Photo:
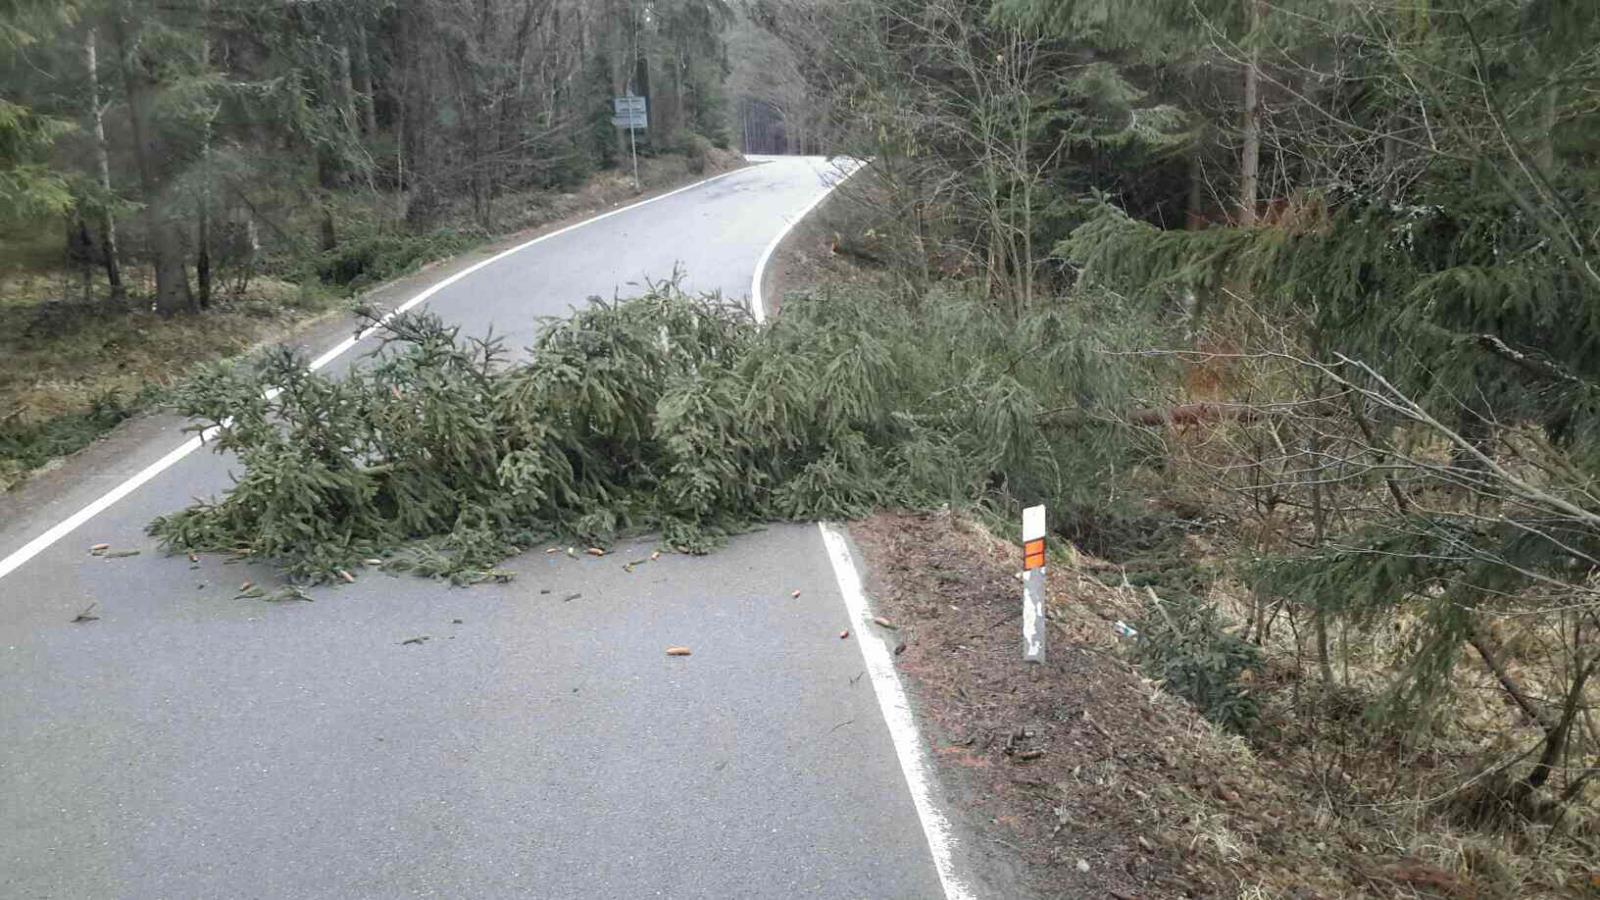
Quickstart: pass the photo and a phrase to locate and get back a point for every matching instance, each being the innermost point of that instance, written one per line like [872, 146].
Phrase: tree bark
[166, 240]
[102, 162]
[362, 74]
[621, 64]
[327, 183]
[202, 262]
[1250, 153]
[1544, 153]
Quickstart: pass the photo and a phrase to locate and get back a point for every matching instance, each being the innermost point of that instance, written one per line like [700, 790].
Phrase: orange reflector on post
[1033, 554]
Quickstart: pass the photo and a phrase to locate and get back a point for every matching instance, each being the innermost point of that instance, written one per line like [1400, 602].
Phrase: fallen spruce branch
[666, 413]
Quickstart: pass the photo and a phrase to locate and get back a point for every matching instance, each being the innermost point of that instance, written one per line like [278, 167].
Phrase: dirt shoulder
[1049, 769]
[1082, 778]
[819, 250]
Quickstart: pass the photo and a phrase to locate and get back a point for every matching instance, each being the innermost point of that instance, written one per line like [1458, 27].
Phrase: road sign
[630, 112]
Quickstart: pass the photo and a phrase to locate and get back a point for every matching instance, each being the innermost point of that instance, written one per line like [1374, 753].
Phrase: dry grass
[60, 362]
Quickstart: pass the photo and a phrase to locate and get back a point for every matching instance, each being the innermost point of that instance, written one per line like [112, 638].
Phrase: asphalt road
[537, 743]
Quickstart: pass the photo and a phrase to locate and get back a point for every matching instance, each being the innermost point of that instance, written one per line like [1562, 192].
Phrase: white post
[634, 149]
[1033, 598]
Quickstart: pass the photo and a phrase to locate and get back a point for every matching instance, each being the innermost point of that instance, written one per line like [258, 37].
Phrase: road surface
[537, 743]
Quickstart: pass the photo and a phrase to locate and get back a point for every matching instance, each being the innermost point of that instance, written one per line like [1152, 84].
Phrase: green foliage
[364, 260]
[665, 413]
[28, 186]
[25, 447]
[25, 22]
[1183, 644]
[695, 150]
[1416, 287]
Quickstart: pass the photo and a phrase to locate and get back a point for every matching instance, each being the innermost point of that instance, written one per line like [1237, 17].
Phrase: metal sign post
[632, 113]
[1033, 599]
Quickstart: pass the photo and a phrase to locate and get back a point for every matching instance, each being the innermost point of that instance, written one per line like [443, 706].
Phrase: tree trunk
[80, 253]
[621, 56]
[202, 263]
[1250, 154]
[1319, 517]
[102, 162]
[344, 88]
[327, 182]
[362, 74]
[162, 228]
[1544, 152]
[1195, 214]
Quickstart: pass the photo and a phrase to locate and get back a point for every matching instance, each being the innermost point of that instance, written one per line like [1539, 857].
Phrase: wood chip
[246, 586]
[677, 651]
[844, 634]
[595, 551]
[346, 577]
[99, 548]
[655, 556]
[794, 594]
[881, 622]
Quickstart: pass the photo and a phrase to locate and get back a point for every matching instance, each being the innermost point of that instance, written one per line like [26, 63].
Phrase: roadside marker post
[1033, 621]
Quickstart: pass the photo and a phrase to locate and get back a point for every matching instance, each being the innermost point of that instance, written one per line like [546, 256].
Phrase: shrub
[372, 258]
[1182, 643]
[696, 151]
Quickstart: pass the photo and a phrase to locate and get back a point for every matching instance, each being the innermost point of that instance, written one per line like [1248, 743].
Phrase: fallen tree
[665, 413]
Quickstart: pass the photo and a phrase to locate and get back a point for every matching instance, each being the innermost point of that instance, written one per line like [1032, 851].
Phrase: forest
[1288, 309]
[180, 180]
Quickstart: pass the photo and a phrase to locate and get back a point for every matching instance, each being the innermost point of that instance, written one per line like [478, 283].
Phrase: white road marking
[879, 658]
[99, 505]
[758, 304]
[896, 711]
